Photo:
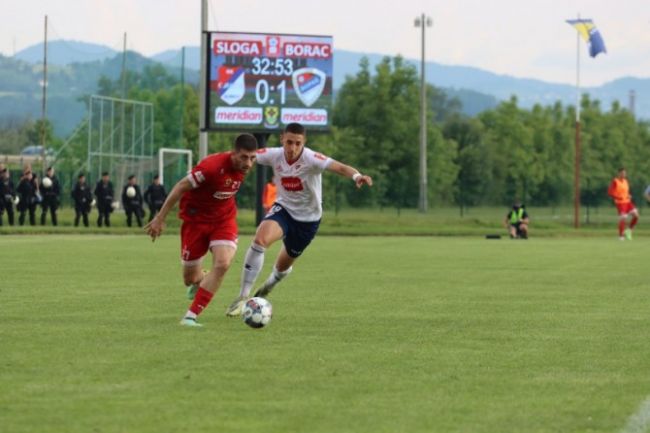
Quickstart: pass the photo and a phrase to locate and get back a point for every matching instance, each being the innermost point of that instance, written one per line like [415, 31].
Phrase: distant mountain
[472, 83]
[20, 87]
[63, 53]
[174, 58]
[75, 68]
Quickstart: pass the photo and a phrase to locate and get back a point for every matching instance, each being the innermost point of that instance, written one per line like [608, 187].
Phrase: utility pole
[203, 134]
[180, 135]
[424, 22]
[123, 74]
[124, 68]
[44, 99]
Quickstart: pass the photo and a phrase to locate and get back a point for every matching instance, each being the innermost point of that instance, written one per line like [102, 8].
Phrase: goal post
[171, 158]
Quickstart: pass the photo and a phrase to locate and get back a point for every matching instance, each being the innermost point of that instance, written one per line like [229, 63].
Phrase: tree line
[493, 158]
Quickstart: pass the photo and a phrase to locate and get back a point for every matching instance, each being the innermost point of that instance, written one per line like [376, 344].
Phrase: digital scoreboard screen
[261, 82]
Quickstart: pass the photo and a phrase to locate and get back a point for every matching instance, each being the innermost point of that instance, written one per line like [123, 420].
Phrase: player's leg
[267, 233]
[194, 244]
[512, 230]
[622, 218]
[297, 239]
[283, 267]
[635, 219]
[192, 274]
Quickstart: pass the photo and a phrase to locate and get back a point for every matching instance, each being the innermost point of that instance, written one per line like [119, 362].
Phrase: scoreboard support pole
[260, 180]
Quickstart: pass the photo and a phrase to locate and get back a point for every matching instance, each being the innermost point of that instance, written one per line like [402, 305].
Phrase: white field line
[639, 422]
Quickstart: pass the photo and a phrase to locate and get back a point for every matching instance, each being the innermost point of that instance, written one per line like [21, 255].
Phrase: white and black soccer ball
[257, 312]
[47, 182]
[130, 192]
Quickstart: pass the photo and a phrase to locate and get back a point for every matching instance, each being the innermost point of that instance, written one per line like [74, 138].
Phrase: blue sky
[523, 38]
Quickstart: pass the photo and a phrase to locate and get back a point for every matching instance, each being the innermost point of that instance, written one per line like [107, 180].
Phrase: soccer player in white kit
[296, 213]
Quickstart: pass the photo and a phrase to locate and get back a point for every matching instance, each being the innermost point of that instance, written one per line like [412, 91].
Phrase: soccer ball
[257, 312]
[130, 192]
[47, 182]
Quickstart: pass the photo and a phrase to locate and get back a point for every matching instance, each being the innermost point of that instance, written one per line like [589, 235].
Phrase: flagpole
[576, 182]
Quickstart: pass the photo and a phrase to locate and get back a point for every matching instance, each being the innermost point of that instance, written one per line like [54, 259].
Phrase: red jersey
[215, 183]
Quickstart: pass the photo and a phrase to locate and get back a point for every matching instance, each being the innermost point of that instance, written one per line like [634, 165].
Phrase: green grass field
[370, 334]
[439, 221]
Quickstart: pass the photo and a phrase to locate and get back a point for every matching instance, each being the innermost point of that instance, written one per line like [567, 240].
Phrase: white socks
[253, 263]
[275, 277]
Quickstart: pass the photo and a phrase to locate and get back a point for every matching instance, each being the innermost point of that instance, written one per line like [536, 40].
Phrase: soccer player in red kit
[208, 211]
[619, 191]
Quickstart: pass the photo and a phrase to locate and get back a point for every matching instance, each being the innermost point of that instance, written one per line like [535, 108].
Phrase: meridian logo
[292, 183]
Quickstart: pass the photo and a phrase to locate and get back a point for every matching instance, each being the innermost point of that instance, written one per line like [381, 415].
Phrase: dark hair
[49, 168]
[104, 173]
[156, 176]
[131, 177]
[621, 169]
[295, 128]
[245, 142]
[81, 175]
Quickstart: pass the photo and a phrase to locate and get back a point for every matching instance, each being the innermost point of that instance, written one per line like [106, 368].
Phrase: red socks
[621, 225]
[633, 222]
[201, 300]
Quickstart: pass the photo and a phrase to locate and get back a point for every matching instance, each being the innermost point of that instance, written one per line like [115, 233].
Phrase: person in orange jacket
[268, 196]
[619, 191]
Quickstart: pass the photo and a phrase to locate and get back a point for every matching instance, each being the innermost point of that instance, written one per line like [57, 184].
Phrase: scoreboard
[261, 82]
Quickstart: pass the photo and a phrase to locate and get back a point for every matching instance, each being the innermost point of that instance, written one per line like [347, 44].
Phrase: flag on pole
[590, 34]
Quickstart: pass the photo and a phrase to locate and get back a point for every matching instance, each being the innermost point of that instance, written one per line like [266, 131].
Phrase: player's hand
[363, 180]
[154, 228]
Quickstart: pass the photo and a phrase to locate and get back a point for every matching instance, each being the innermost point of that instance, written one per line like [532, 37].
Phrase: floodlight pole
[203, 133]
[44, 101]
[576, 181]
[424, 22]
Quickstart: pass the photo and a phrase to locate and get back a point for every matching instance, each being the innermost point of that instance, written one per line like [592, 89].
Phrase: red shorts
[625, 208]
[198, 238]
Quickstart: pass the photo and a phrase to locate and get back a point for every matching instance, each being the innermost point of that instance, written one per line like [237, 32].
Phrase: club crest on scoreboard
[308, 84]
[231, 84]
[271, 116]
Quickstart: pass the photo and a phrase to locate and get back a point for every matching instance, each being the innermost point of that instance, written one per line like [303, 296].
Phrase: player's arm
[351, 172]
[157, 224]
[611, 191]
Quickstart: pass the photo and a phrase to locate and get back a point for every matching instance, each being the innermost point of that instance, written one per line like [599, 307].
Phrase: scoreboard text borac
[261, 82]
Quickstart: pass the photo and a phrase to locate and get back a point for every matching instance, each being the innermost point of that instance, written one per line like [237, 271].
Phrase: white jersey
[299, 185]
